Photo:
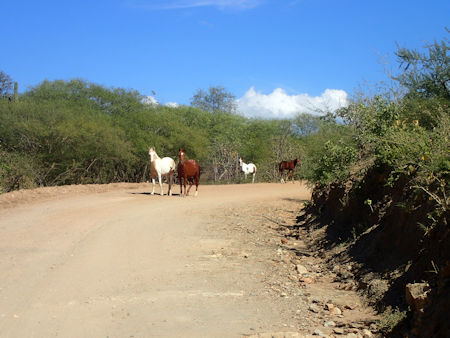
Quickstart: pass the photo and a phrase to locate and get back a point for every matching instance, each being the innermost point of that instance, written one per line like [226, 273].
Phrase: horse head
[152, 154]
[181, 154]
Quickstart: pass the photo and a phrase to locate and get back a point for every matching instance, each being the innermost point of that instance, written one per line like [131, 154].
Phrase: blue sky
[276, 57]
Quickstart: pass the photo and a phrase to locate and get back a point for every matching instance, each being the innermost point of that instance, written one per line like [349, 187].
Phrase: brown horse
[290, 167]
[187, 170]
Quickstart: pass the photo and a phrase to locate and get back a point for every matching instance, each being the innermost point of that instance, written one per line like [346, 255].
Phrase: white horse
[248, 169]
[161, 167]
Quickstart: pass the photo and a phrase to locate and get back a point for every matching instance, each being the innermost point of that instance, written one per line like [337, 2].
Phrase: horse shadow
[298, 200]
[150, 194]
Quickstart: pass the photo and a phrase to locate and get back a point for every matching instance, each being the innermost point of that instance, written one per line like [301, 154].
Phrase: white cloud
[279, 104]
[172, 104]
[180, 4]
[150, 100]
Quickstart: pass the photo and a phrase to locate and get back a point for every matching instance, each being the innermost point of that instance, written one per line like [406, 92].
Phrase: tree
[306, 124]
[6, 84]
[426, 74]
[216, 99]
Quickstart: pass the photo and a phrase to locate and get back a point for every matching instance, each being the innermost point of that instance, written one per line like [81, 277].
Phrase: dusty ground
[114, 261]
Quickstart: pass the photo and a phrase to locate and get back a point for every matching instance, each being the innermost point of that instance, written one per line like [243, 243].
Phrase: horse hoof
[152, 193]
[196, 194]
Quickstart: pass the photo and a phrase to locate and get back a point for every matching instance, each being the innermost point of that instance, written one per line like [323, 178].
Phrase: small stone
[314, 308]
[367, 334]
[301, 269]
[329, 306]
[338, 330]
[306, 280]
[283, 294]
[348, 287]
[417, 295]
[336, 268]
[373, 327]
[319, 333]
[336, 311]
[284, 240]
[329, 323]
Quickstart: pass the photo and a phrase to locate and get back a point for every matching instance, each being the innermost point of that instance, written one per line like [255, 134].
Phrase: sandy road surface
[123, 263]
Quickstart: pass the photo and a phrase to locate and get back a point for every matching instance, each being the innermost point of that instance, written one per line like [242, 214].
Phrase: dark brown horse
[187, 171]
[289, 166]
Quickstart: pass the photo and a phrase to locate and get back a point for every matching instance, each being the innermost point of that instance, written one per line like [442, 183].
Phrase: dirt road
[118, 262]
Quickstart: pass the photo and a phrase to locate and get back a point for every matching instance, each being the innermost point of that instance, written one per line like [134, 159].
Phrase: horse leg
[170, 177]
[153, 185]
[197, 177]
[253, 177]
[293, 176]
[282, 176]
[160, 185]
[184, 183]
[191, 181]
[180, 181]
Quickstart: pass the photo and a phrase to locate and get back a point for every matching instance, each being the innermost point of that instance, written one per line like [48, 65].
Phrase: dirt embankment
[402, 263]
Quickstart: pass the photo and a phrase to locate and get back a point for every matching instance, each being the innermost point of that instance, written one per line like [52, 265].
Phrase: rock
[345, 274]
[417, 295]
[338, 330]
[306, 280]
[329, 324]
[319, 333]
[329, 306]
[336, 311]
[301, 269]
[314, 308]
[366, 333]
[373, 327]
[284, 240]
[349, 286]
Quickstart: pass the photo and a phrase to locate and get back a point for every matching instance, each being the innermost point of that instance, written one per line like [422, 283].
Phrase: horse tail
[280, 166]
